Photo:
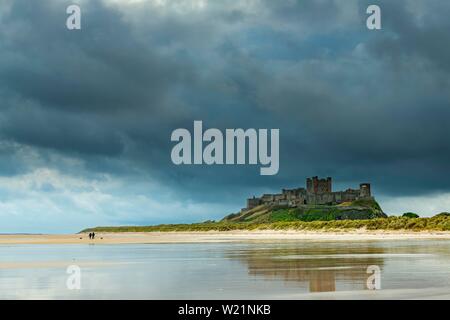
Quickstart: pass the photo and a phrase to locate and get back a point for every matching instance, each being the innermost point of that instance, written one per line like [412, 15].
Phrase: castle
[317, 192]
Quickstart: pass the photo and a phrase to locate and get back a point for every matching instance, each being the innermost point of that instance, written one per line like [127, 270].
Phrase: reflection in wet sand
[320, 270]
[240, 270]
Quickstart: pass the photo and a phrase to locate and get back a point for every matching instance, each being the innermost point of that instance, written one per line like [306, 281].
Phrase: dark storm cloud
[355, 104]
[415, 31]
[101, 69]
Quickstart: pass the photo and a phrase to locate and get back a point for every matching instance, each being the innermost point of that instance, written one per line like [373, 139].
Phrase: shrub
[410, 215]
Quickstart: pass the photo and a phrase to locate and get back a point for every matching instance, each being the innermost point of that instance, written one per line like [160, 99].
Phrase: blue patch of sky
[269, 44]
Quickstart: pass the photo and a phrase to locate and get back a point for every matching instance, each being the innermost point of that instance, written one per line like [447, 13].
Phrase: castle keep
[317, 192]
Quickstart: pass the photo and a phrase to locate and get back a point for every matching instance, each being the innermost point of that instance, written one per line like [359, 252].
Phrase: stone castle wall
[317, 192]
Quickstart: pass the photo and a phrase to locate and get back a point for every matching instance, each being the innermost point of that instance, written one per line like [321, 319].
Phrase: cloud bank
[86, 116]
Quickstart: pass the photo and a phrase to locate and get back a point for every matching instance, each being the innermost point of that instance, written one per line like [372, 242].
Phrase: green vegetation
[356, 210]
[410, 215]
[443, 214]
[360, 214]
[367, 203]
[437, 223]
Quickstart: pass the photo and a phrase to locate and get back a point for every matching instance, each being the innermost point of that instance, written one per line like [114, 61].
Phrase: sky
[86, 115]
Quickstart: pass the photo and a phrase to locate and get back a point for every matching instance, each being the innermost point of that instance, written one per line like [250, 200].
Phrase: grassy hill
[356, 210]
[437, 223]
[362, 214]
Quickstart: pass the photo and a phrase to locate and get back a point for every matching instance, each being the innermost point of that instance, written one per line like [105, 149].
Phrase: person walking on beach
[90, 235]
[93, 235]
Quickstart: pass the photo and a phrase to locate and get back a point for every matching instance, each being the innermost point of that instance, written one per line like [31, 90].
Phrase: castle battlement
[317, 192]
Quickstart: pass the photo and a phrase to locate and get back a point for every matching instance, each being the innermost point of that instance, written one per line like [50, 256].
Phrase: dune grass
[437, 223]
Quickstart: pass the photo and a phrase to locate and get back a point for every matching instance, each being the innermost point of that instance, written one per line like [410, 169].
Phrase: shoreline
[219, 237]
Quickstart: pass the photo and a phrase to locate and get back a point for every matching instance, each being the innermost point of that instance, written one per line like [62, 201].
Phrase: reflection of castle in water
[320, 268]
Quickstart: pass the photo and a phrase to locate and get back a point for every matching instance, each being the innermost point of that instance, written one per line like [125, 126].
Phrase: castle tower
[315, 185]
[329, 189]
[309, 185]
[364, 190]
[253, 202]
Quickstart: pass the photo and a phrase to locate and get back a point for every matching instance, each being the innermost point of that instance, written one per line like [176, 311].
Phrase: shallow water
[252, 270]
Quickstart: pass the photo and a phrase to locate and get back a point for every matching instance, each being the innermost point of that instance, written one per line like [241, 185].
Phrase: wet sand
[227, 265]
[216, 237]
[389, 294]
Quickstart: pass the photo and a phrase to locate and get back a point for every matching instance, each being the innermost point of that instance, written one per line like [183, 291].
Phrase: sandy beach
[215, 237]
[227, 265]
